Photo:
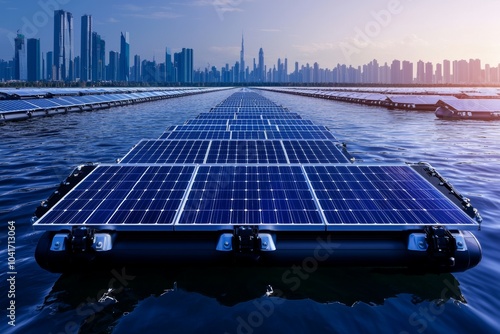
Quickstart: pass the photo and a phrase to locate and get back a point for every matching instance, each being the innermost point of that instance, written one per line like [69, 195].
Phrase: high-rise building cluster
[93, 64]
[61, 64]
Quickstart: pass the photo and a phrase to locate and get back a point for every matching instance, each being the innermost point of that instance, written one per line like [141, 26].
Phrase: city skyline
[325, 32]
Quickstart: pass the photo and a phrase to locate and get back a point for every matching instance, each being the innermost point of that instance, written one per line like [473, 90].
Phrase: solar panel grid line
[184, 199]
[207, 153]
[284, 150]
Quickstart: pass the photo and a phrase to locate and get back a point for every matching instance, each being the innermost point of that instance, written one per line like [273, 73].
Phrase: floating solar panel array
[37, 103]
[250, 162]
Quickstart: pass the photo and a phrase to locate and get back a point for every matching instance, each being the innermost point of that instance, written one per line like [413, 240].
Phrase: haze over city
[323, 31]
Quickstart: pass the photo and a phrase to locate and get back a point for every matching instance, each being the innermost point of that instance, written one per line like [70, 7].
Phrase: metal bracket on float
[82, 240]
[439, 244]
[245, 240]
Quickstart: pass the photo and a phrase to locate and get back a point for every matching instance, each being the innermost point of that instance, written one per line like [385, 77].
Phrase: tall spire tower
[242, 59]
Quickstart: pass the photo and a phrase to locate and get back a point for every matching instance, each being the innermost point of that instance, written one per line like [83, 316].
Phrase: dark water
[38, 154]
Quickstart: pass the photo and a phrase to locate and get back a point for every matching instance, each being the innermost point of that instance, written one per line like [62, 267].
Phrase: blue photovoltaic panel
[206, 122]
[248, 122]
[246, 152]
[288, 115]
[63, 102]
[299, 135]
[122, 197]
[15, 105]
[168, 152]
[244, 195]
[291, 122]
[313, 152]
[252, 128]
[199, 128]
[381, 197]
[248, 135]
[215, 116]
[257, 116]
[201, 135]
[302, 128]
[43, 103]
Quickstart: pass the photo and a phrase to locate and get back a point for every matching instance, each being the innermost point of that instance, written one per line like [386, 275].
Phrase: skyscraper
[137, 68]
[98, 58]
[396, 75]
[63, 45]
[446, 71]
[407, 77]
[169, 66]
[86, 61]
[429, 73]
[242, 60]
[113, 66]
[184, 65]
[261, 77]
[34, 60]
[20, 59]
[49, 67]
[420, 72]
[124, 57]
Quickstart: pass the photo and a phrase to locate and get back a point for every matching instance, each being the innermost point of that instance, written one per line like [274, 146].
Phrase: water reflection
[98, 301]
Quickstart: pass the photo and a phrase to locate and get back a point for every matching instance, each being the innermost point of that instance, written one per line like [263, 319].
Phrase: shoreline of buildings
[94, 65]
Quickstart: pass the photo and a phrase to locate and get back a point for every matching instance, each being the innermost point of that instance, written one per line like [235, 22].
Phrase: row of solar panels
[12, 93]
[215, 176]
[411, 101]
[201, 198]
[486, 92]
[13, 106]
[424, 102]
[235, 151]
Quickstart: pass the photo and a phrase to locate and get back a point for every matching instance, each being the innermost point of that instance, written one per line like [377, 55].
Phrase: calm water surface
[38, 154]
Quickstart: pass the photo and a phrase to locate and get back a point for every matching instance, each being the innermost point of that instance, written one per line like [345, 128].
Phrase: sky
[324, 31]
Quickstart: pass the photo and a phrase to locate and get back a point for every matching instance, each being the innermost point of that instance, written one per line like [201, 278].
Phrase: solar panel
[253, 135]
[197, 135]
[206, 122]
[246, 152]
[124, 197]
[168, 152]
[224, 196]
[313, 151]
[216, 116]
[291, 122]
[15, 105]
[43, 103]
[248, 122]
[251, 127]
[381, 197]
[302, 128]
[300, 135]
[288, 115]
[199, 128]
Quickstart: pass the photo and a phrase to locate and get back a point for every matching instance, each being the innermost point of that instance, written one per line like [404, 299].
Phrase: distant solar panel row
[234, 151]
